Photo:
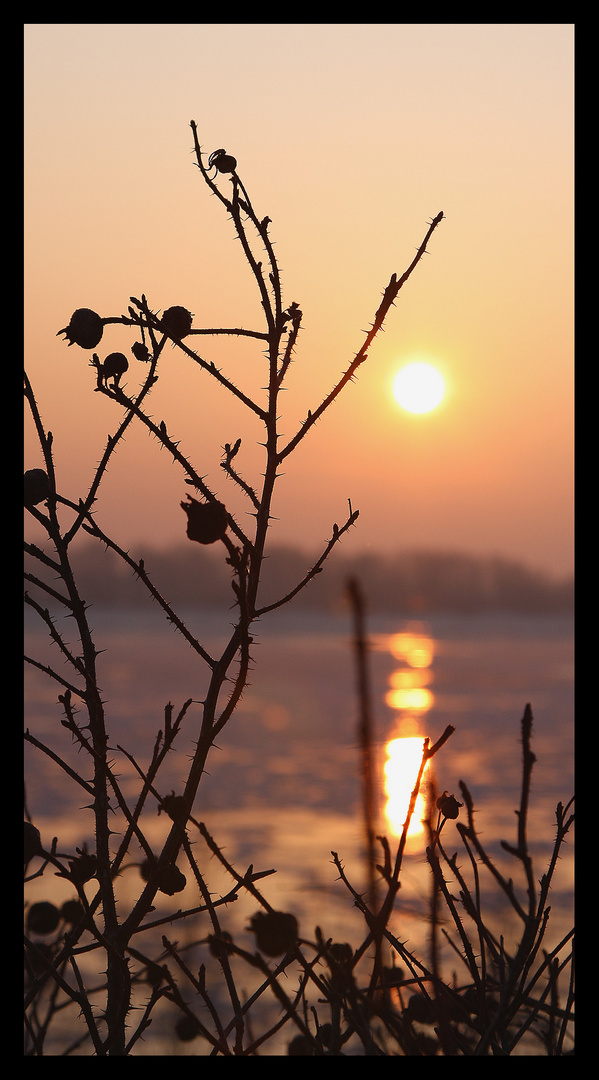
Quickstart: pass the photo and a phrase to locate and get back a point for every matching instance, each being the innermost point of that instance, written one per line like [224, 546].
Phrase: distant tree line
[413, 582]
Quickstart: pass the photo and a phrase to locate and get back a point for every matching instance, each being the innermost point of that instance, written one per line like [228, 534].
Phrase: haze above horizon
[350, 137]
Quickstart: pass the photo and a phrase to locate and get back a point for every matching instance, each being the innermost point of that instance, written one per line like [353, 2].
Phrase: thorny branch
[389, 297]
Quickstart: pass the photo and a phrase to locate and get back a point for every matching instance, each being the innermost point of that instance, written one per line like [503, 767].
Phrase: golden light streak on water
[404, 756]
[408, 695]
[416, 699]
[412, 647]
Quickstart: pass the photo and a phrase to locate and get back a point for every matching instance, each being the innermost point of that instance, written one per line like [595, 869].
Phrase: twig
[389, 298]
[315, 569]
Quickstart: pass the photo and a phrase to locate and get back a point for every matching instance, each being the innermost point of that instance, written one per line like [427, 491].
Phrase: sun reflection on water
[412, 699]
[408, 694]
[414, 646]
[401, 769]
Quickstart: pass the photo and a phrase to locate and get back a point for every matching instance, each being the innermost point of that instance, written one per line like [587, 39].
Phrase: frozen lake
[283, 790]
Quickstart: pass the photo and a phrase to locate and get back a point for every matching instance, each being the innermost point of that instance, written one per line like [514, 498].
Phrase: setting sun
[418, 387]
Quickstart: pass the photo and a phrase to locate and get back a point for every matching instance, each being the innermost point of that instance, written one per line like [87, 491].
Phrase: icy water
[284, 786]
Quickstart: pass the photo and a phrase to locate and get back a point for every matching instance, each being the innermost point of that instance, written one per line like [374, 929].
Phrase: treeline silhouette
[414, 582]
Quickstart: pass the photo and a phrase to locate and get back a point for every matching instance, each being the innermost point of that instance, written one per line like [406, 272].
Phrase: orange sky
[350, 137]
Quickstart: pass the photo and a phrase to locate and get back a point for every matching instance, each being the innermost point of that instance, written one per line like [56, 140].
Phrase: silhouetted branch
[389, 298]
[315, 569]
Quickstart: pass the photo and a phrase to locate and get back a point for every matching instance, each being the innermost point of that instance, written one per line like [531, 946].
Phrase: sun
[418, 388]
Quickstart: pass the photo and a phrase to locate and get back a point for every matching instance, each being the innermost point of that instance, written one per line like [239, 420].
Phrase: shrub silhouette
[365, 1003]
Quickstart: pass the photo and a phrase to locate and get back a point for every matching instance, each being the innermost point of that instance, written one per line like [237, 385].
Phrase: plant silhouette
[135, 966]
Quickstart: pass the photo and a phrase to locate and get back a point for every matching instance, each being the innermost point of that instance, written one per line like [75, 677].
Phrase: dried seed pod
[37, 486]
[224, 162]
[171, 880]
[206, 522]
[422, 1009]
[221, 945]
[176, 808]
[176, 322]
[83, 868]
[339, 954]
[43, 917]
[141, 351]
[115, 365]
[448, 805]
[146, 868]
[187, 1028]
[85, 329]
[72, 911]
[300, 1046]
[154, 974]
[276, 931]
